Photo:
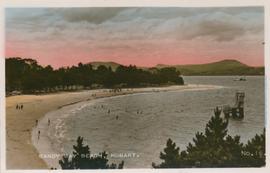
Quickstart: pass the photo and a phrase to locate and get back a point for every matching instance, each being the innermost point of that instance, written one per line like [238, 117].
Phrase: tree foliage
[255, 151]
[215, 148]
[170, 156]
[27, 76]
[82, 159]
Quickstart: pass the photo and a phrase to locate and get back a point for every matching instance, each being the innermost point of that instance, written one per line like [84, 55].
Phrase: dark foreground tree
[170, 156]
[215, 148]
[82, 159]
[254, 151]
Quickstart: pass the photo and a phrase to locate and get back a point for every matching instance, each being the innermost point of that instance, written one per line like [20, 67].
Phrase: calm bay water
[145, 121]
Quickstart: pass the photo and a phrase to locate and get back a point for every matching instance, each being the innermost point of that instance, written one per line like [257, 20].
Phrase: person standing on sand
[49, 122]
[22, 106]
[36, 122]
[17, 106]
[38, 134]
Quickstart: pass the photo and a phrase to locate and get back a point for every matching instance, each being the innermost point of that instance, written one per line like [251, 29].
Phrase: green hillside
[225, 67]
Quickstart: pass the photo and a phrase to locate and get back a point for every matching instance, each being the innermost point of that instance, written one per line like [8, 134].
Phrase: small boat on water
[240, 79]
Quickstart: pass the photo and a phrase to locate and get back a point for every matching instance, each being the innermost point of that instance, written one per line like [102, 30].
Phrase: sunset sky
[140, 36]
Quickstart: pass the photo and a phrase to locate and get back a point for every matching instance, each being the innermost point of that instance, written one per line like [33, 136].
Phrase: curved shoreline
[44, 144]
[21, 150]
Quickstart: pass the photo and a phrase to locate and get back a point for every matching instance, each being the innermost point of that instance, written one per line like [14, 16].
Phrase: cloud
[215, 25]
[96, 15]
[219, 24]
[78, 26]
[142, 36]
[220, 31]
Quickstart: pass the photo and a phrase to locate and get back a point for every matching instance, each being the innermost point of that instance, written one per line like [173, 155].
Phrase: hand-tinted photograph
[134, 87]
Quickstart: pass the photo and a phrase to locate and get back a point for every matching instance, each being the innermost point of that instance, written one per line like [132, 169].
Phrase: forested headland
[27, 76]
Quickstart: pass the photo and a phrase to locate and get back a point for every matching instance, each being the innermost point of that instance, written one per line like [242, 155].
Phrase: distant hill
[113, 65]
[224, 67]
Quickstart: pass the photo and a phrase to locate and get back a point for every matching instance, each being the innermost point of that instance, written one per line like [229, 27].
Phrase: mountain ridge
[223, 67]
[215, 62]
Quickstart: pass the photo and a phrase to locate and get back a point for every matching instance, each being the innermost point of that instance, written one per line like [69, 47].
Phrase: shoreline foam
[20, 124]
[44, 144]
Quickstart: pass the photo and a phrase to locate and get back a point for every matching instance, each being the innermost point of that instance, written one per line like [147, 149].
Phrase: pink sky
[143, 37]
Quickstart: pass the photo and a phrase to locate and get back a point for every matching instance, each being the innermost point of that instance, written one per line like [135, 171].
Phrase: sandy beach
[20, 152]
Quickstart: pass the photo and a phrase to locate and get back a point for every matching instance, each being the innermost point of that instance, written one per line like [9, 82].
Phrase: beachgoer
[109, 111]
[17, 106]
[38, 134]
[49, 122]
[21, 106]
[36, 122]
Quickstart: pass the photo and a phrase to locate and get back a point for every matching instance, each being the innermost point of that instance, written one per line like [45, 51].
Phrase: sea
[135, 127]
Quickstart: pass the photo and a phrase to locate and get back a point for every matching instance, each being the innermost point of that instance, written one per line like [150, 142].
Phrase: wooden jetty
[236, 111]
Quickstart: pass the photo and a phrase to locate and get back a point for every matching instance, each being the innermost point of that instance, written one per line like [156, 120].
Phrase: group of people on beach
[109, 111]
[117, 117]
[19, 106]
[115, 90]
[139, 112]
[49, 122]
